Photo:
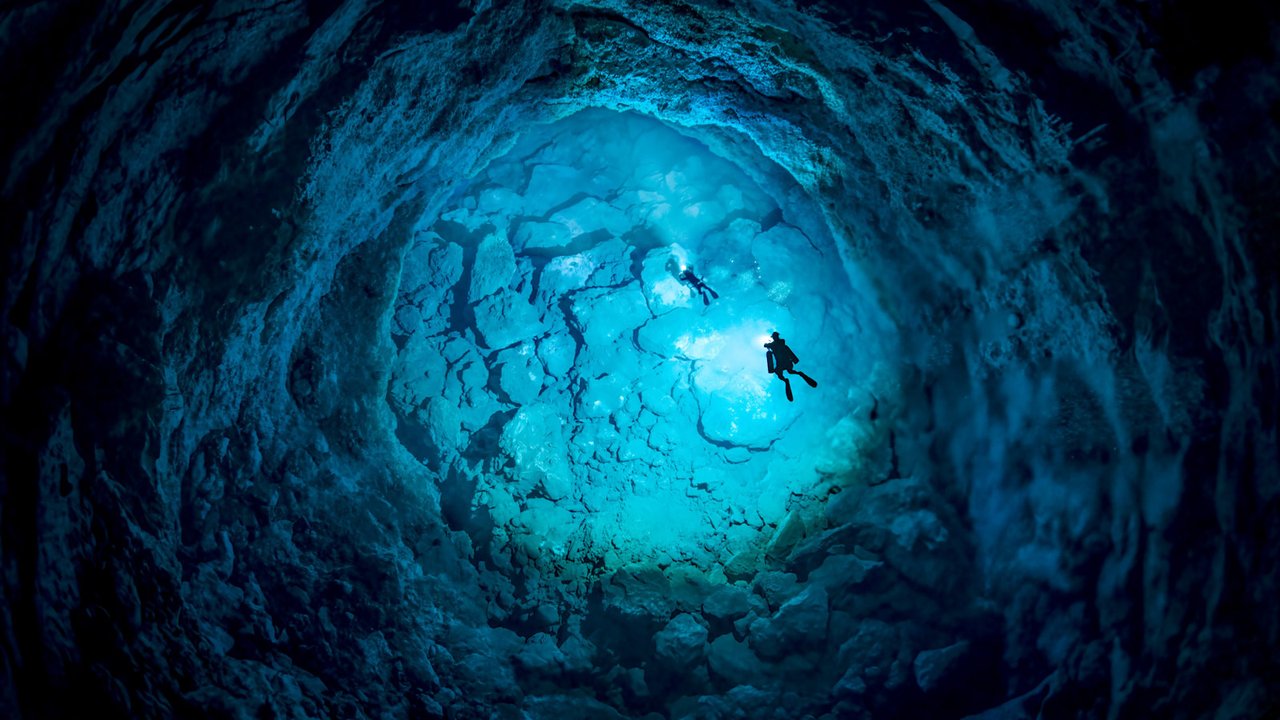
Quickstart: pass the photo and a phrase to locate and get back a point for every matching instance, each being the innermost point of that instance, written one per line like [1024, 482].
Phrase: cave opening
[588, 408]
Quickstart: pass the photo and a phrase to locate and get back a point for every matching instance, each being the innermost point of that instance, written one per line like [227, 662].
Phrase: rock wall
[1058, 486]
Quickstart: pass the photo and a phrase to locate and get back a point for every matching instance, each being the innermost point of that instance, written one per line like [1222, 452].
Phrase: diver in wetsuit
[687, 275]
[782, 359]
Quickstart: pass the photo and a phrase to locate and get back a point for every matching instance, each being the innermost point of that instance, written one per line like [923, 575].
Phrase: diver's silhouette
[781, 359]
[686, 274]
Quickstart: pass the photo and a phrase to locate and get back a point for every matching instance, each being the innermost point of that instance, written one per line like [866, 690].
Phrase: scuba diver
[781, 359]
[686, 274]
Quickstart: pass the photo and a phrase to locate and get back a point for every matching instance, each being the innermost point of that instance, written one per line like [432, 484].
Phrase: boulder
[520, 374]
[682, 642]
[505, 318]
[578, 654]
[644, 592]
[785, 537]
[800, 623]
[741, 566]
[540, 656]
[732, 661]
[870, 653]
[776, 587]
[728, 603]
[533, 439]
[541, 235]
[557, 353]
[843, 574]
[495, 263]
[933, 667]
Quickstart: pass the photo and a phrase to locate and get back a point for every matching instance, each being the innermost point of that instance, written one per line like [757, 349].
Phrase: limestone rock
[871, 652]
[934, 667]
[801, 623]
[533, 235]
[727, 603]
[591, 214]
[776, 587]
[682, 641]
[520, 375]
[741, 566]
[540, 655]
[495, 263]
[785, 537]
[505, 318]
[533, 440]
[733, 661]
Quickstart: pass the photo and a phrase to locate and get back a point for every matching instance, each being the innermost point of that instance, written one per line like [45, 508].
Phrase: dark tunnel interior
[676, 359]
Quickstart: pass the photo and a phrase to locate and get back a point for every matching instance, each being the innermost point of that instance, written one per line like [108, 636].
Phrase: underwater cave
[615, 359]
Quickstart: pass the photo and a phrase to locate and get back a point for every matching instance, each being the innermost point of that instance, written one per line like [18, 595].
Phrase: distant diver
[781, 359]
[687, 275]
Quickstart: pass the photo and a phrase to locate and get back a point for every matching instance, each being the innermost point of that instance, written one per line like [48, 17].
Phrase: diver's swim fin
[714, 294]
[811, 381]
[790, 397]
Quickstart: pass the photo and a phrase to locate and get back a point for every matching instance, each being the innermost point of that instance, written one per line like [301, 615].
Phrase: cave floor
[593, 409]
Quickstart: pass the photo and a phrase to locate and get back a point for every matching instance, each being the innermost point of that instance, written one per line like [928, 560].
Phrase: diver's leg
[782, 376]
[811, 381]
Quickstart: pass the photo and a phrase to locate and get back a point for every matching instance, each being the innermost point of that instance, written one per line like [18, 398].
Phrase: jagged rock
[790, 532]
[540, 656]
[744, 701]
[545, 527]
[521, 374]
[495, 263]
[842, 506]
[776, 587]
[871, 653]
[742, 566]
[640, 592]
[533, 440]
[565, 274]
[542, 235]
[843, 575]
[850, 685]
[733, 661]
[727, 603]
[801, 623]
[578, 653]
[505, 318]
[682, 642]
[934, 667]
[772, 504]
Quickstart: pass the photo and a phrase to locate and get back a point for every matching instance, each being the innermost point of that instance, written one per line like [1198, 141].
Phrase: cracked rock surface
[567, 360]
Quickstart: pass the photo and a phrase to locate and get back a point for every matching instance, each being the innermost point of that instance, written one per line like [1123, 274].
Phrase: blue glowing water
[630, 413]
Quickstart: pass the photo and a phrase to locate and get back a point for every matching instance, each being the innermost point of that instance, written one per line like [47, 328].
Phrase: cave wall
[209, 206]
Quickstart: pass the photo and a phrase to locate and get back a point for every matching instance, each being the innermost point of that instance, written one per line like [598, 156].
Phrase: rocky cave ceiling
[350, 369]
